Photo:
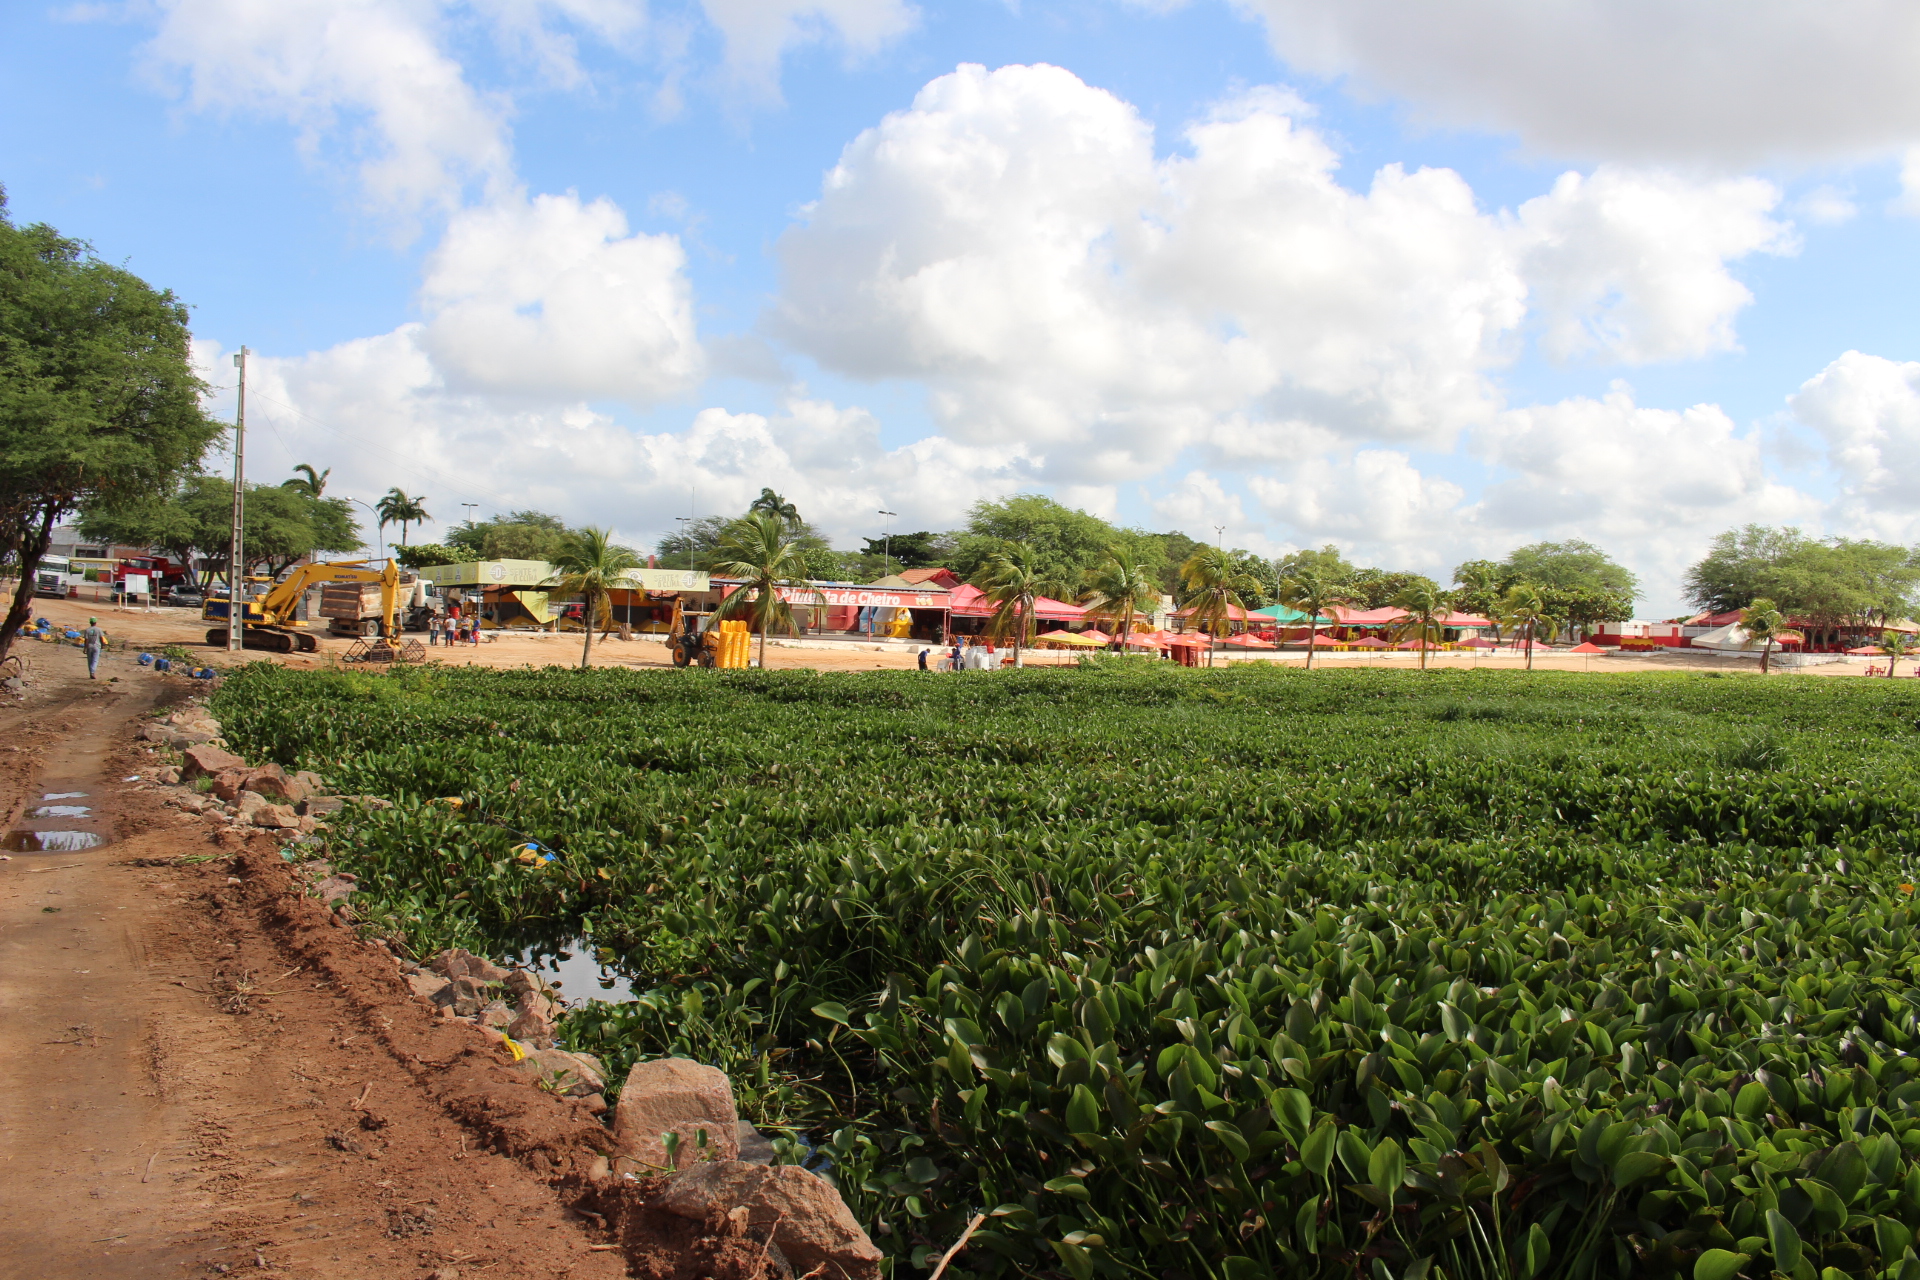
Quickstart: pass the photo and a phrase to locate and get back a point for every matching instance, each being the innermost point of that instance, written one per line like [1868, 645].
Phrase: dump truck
[359, 609]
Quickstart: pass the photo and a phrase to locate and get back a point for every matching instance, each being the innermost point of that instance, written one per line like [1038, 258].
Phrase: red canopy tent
[1476, 642]
[1416, 644]
[1188, 639]
[1247, 642]
[969, 601]
[1586, 647]
[1099, 636]
[1867, 651]
[1371, 642]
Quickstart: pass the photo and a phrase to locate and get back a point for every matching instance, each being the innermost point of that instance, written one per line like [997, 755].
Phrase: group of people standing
[967, 654]
[453, 630]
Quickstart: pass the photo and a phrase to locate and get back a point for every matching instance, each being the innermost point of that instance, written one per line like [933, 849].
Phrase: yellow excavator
[268, 622]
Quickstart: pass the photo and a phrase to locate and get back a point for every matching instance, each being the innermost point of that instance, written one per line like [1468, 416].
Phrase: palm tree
[1119, 590]
[1524, 608]
[1012, 582]
[1426, 608]
[760, 550]
[772, 504]
[397, 508]
[1311, 592]
[1896, 645]
[313, 483]
[1764, 623]
[588, 564]
[1214, 585]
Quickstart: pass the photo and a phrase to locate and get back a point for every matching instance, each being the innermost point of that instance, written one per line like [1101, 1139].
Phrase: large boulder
[206, 759]
[229, 783]
[810, 1223]
[569, 1075]
[271, 781]
[680, 1096]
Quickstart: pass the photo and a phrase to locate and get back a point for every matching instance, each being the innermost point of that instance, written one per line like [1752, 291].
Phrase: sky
[1427, 282]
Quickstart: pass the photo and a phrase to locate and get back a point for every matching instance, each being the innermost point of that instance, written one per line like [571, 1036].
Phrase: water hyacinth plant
[1179, 973]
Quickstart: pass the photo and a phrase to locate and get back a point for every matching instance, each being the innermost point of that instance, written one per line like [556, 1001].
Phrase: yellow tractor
[268, 621]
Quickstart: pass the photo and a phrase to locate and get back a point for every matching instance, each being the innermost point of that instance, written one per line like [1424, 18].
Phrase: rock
[314, 805]
[468, 999]
[810, 1223]
[168, 776]
[675, 1095]
[229, 783]
[570, 1075]
[531, 1028]
[156, 731]
[280, 816]
[189, 737]
[271, 781]
[312, 781]
[249, 803]
[456, 962]
[428, 986]
[595, 1103]
[497, 1014]
[188, 801]
[206, 759]
[755, 1147]
[334, 888]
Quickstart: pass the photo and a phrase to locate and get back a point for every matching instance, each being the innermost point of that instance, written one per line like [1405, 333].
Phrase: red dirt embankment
[204, 1074]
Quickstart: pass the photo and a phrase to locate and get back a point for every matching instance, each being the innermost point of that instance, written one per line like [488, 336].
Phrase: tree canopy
[1829, 582]
[282, 524]
[99, 404]
[518, 535]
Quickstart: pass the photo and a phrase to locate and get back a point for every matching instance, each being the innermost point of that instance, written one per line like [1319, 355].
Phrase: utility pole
[686, 531]
[886, 547]
[236, 556]
[471, 507]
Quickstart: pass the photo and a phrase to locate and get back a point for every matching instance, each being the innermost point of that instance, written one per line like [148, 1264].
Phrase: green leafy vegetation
[1213, 974]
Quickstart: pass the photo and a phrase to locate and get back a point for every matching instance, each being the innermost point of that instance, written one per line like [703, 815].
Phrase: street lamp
[471, 508]
[886, 547]
[686, 531]
[379, 526]
[1220, 536]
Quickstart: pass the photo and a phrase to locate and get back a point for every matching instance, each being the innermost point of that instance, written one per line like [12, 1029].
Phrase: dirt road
[203, 1074]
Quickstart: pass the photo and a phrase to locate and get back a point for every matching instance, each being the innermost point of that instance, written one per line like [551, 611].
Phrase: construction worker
[93, 640]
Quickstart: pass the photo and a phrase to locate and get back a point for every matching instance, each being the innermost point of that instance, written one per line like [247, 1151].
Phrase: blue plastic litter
[145, 659]
[162, 664]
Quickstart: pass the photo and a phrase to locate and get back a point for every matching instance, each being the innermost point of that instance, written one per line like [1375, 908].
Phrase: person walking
[923, 658]
[93, 640]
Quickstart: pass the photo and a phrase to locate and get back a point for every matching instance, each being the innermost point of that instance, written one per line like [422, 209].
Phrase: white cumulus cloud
[1013, 241]
[550, 296]
[1867, 411]
[1723, 82]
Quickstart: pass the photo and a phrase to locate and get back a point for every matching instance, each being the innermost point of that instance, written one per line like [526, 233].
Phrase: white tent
[1730, 638]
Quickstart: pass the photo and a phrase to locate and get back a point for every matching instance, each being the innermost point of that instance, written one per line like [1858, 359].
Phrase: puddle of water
[61, 811]
[64, 795]
[580, 976]
[50, 841]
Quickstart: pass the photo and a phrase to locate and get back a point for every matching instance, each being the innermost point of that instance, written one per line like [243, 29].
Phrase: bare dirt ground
[514, 649]
[204, 1074]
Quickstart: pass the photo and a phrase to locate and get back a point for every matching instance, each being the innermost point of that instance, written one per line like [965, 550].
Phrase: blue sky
[1317, 272]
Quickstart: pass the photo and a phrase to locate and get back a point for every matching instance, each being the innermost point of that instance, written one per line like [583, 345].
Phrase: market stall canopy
[1586, 647]
[1289, 617]
[1247, 642]
[1077, 639]
[1464, 621]
[1867, 651]
[1095, 636]
[1187, 640]
[1416, 644]
[1234, 612]
[1371, 642]
[969, 601]
[1475, 642]
[1346, 617]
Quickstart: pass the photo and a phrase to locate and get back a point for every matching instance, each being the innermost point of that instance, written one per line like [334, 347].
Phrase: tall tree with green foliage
[310, 482]
[99, 404]
[590, 565]
[1766, 626]
[1572, 565]
[1526, 610]
[1833, 583]
[1424, 609]
[195, 521]
[1214, 584]
[1376, 588]
[772, 504]
[1013, 581]
[398, 507]
[762, 551]
[1061, 545]
[1895, 645]
[1478, 585]
[518, 535]
[1313, 591]
[1120, 590]
[1326, 565]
